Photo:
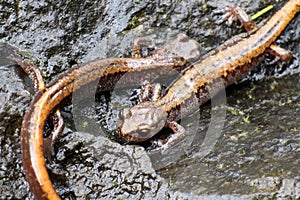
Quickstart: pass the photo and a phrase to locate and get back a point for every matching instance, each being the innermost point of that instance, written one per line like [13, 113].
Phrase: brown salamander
[48, 98]
[36, 76]
[228, 62]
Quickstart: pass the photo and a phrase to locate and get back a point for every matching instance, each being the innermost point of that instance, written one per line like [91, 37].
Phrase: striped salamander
[228, 63]
[106, 73]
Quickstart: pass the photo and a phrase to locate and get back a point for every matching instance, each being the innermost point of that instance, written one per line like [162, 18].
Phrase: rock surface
[259, 146]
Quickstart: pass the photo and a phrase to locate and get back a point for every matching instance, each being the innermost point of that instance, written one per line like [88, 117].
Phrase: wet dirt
[256, 156]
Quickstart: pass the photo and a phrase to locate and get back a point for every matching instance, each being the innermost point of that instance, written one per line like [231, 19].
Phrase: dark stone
[250, 160]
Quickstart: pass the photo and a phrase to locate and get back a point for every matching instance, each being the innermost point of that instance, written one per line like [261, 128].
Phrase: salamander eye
[125, 113]
[144, 133]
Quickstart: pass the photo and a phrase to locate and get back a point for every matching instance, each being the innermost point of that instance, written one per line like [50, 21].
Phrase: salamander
[229, 62]
[36, 76]
[225, 65]
[47, 99]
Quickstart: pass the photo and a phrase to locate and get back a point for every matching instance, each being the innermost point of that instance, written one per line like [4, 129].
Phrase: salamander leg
[235, 13]
[142, 47]
[58, 123]
[178, 135]
[280, 53]
[58, 127]
[150, 92]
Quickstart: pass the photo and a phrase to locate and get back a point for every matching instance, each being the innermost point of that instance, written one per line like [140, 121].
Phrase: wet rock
[259, 155]
[14, 98]
[259, 158]
[95, 167]
[56, 35]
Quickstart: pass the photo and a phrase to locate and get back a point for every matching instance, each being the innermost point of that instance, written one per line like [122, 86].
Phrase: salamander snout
[141, 122]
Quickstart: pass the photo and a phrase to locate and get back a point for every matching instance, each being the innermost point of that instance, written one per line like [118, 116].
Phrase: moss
[116, 184]
[134, 22]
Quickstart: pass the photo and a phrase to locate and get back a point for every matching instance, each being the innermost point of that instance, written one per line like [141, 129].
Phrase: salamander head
[141, 122]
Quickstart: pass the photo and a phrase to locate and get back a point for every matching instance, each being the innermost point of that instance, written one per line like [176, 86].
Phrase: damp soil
[247, 148]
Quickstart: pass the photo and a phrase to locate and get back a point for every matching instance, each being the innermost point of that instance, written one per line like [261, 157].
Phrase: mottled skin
[145, 115]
